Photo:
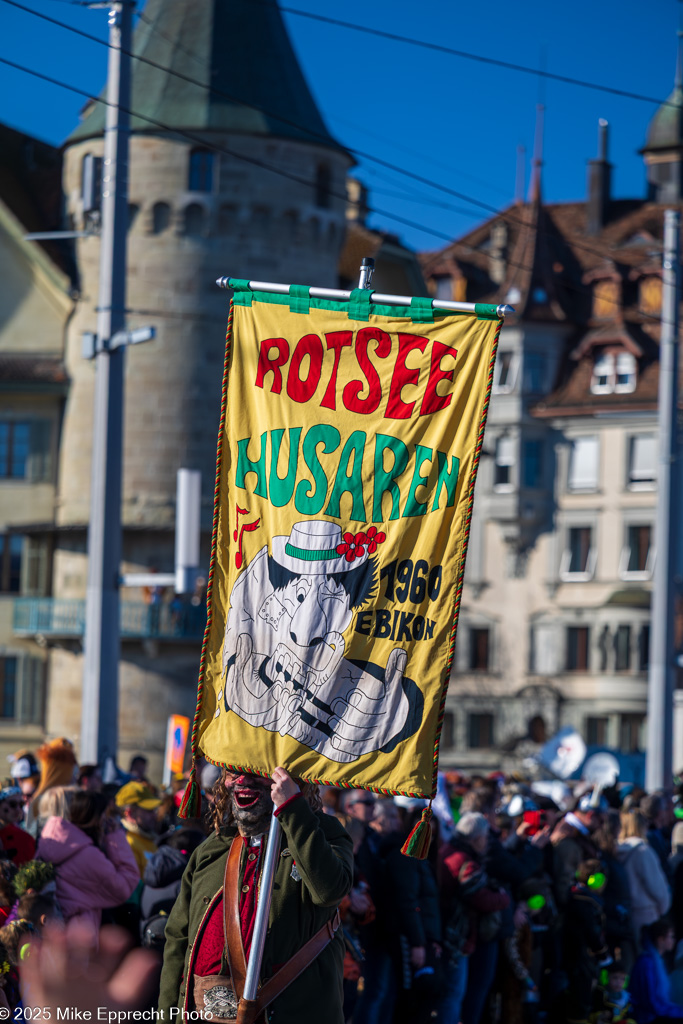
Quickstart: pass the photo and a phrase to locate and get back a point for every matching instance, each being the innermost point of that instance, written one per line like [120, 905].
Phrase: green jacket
[323, 852]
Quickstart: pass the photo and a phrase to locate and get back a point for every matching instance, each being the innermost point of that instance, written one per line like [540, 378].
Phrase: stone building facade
[555, 618]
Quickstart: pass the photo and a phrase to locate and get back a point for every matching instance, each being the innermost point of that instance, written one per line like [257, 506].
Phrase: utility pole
[661, 679]
[99, 725]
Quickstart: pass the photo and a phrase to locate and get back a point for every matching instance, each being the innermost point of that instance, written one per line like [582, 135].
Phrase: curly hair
[221, 812]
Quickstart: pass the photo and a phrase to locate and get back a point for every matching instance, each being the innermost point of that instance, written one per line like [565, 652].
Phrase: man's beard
[255, 819]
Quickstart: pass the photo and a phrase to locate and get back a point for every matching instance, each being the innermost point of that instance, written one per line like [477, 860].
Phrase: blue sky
[451, 120]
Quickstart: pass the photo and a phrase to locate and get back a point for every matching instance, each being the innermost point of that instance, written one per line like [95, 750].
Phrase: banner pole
[262, 915]
[367, 269]
[335, 295]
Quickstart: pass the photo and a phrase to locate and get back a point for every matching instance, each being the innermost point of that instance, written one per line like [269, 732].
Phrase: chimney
[599, 177]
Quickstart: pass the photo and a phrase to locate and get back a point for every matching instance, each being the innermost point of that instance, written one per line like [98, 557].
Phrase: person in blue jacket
[650, 986]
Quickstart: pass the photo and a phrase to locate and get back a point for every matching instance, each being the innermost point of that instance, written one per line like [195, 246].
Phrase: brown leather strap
[297, 964]
[231, 916]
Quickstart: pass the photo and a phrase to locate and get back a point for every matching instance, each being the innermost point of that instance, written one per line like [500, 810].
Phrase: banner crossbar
[336, 295]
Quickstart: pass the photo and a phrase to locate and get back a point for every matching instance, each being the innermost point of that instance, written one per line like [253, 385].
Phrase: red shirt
[210, 950]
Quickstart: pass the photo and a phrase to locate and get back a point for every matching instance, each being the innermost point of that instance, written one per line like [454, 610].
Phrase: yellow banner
[347, 458]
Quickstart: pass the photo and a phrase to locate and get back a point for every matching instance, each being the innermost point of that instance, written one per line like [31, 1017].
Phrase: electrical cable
[487, 207]
[274, 170]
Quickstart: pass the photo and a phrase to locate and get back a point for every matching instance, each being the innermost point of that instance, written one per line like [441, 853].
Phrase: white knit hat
[472, 825]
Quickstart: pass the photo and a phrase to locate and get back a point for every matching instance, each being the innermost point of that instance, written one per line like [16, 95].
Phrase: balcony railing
[54, 617]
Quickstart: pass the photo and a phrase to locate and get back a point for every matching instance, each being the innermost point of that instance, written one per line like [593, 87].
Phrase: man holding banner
[210, 929]
[348, 449]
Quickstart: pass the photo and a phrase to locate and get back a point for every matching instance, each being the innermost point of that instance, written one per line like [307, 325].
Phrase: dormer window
[614, 373]
[625, 372]
[605, 299]
[650, 298]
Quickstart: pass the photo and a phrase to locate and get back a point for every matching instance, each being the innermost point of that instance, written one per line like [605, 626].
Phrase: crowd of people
[526, 909]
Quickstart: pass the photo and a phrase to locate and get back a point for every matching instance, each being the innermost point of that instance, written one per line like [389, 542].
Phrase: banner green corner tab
[421, 311]
[359, 304]
[486, 311]
[300, 298]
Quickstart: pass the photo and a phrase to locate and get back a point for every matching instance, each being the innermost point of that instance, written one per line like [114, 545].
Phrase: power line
[274, 170]
[487, 207]
[467, 55]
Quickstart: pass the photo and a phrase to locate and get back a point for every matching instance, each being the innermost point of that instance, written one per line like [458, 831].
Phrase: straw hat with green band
[311, 549]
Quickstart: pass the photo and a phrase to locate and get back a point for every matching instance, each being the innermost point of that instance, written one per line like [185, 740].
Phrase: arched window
[323, 181]
[260, 218]
[201, 171]
[331, 236]
[227, 218]
[194, 219]
[133, 211]
[161, 217]
[314, 225]
[291, 219]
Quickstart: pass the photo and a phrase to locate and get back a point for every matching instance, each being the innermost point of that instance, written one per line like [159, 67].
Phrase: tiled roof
[31, 188]
[547, 267]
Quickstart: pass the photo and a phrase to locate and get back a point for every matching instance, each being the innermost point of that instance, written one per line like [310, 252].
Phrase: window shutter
[39, 466]
[505, 451]
[643, 458]
[583, 464]
[545, 648]
[32, 691]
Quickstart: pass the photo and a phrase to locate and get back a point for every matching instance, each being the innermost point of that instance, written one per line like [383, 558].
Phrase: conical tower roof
[240, 48]
[665, 130]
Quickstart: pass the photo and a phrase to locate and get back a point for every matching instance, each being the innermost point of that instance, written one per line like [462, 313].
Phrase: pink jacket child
[89, 879]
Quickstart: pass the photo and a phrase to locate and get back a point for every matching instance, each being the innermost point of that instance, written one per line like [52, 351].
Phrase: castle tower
[663, 151]
[242, 179]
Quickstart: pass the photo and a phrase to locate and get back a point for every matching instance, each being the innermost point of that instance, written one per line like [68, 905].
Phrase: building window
[534, 372]
[614, 373]
[630, 729]
[622, 649]
[637, 557]
[8, 687]
[194, 219]
[577, 648]
[605, 300]
[625, 379]
[15, 447]
[201, 171]
[323, 183]
[651, 295]
[505, 460]
[644, 648]
[583, 464]
[596, 731]
[447, 739]
[479, 730]
[161, 218]
[11, 549]
[505, 373]
[533, 463]
[642, 462]
[479, 650]
[579, 555]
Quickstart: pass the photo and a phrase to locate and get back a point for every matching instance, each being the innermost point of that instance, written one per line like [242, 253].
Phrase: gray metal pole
[661, 680]
[263, 909]
[99, 724]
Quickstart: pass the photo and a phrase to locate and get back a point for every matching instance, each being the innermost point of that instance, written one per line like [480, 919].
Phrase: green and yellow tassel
[418, 842]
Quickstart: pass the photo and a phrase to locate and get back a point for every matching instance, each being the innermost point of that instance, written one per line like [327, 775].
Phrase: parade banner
[348, 449]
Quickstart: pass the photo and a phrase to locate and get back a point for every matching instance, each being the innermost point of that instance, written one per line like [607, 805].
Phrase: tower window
[201, 171]
[194, 219]
[161, 217]
[323, 181]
